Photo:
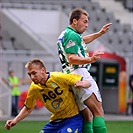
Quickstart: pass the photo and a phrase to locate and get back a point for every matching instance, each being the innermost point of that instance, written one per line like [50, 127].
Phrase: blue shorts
[68, 125]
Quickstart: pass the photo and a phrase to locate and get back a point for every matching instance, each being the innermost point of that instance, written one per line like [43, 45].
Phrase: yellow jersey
[56, 95]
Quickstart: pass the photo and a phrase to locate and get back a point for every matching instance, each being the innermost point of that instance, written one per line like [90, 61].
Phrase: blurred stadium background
[29, 29]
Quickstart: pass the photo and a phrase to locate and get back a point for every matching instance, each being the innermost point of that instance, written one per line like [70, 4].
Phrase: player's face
[37, 74]
[81, 24]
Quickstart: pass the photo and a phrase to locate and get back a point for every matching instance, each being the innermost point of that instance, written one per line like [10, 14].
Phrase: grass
[24, 127]
[119, 126]
[35, 127]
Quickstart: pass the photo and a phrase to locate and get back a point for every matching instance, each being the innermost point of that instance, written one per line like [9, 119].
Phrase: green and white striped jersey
[70, 42]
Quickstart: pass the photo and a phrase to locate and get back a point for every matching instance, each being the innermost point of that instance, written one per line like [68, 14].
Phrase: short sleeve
[70, 79]
[31, 98]
[71, 43]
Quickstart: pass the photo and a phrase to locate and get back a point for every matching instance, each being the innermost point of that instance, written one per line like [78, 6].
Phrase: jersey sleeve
[71, 43]
[70, 79]
[31, 98]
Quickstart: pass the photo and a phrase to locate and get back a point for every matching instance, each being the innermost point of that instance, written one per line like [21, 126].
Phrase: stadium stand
[128, 4]
[115, 40]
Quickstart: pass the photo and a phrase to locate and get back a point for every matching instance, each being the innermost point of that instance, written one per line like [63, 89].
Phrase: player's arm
[89, 38]
[75, 59]
[23, 114]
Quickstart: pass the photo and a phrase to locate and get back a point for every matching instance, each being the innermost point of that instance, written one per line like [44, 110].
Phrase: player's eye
[33, 73]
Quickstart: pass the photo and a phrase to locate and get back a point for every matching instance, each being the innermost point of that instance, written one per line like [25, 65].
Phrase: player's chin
[82, 31]
[36, 82]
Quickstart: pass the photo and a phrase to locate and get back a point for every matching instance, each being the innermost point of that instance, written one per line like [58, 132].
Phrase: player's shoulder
[60, 75]
[75, 75]
[71, 32]
[56, 74]
[33, 85]
[63, 75]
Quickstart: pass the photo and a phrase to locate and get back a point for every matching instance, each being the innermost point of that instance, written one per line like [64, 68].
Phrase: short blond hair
[35, 61]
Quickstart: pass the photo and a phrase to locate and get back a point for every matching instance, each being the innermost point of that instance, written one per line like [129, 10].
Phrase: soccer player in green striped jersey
[74, 58]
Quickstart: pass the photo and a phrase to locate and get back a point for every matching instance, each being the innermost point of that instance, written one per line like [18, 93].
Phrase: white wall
[42, 21]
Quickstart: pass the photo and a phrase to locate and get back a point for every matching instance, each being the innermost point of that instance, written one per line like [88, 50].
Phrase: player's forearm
[89, 38]
[74, 59]
[23, 114]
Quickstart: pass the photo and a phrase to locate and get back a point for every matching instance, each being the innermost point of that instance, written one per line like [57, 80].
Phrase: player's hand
[9, 124]
[105, 28]
[82, 84]
[96, 56]
[78, 84]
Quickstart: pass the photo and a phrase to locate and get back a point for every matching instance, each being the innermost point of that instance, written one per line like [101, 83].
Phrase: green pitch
[35, 127]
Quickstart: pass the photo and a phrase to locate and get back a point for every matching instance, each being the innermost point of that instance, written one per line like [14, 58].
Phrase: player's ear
[43, 69]
[75, 21]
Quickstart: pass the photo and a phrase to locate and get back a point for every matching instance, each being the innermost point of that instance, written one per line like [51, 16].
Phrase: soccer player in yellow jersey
[54, 90]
